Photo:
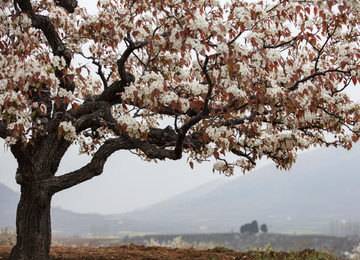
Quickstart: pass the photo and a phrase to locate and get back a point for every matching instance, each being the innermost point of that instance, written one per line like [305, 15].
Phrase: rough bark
[3, 131]
[69, 5]
[36, 163]
[33, 225]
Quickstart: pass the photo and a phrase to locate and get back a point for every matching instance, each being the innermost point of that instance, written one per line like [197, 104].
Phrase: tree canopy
[250, 78]
[254, 79]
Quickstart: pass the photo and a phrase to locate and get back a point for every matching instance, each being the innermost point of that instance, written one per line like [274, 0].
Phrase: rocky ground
[142, 252]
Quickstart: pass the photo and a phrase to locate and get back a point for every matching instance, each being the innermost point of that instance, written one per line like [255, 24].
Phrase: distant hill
[187, 196]
[67, 223]
[322, 186]
[64, 222]
[8, 204]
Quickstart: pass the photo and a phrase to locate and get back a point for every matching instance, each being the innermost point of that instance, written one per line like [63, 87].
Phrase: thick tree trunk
[33, 225]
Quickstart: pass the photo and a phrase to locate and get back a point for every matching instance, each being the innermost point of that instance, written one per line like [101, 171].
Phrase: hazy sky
[127, 182]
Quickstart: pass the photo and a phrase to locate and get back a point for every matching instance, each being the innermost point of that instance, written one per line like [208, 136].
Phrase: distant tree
[263, 228]
[251, 228]
[251, 79]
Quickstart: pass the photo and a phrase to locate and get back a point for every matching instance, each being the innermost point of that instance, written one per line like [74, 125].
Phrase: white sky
[127, 183]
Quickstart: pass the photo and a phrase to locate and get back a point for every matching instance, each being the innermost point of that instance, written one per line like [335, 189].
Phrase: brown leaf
[191, 165]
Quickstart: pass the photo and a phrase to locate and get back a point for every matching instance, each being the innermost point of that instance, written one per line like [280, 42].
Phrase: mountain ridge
[320, 188]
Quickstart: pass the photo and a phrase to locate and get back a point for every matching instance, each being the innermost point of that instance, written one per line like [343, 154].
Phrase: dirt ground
[134, 251]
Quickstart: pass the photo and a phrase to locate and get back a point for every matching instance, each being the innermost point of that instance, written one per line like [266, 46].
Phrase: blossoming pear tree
[255, 79]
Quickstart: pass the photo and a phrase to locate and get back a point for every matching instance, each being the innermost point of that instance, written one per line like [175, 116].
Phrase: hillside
[67, 223]
[321, 187]
[8, 203]
[64, 222]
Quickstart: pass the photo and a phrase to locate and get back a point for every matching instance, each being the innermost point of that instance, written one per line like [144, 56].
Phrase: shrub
[177, 242]
[263, 228]
[355, 254]
[251, 228]
[7, 236]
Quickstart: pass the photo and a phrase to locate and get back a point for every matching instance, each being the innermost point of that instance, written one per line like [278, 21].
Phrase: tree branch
[111, 94]
[69, 5]
[240, 153]
[4, 132]
[44, 23]
[94, 114]
[151, 148]
[127, 76]
[321, 73]
[92, 169]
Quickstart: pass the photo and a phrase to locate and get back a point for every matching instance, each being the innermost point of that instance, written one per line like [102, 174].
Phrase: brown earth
[134, 251]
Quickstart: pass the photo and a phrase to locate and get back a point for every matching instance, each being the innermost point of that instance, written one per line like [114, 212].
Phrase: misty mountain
[68, 223]
[64, 222]
[187, 196]
[321, 187]
[8, 204]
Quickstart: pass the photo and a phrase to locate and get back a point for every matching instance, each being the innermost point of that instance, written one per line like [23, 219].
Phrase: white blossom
[70, 131]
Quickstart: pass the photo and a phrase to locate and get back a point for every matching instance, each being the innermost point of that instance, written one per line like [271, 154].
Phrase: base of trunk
[33, 226]
[18, 254]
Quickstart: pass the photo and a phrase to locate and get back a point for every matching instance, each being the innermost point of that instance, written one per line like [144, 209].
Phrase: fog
[127, 182]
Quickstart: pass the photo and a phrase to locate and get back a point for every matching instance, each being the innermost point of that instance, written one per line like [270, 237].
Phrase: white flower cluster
[10, 140]
[86, 86]
[221, 134]
[58, 62]
[244, 164]
[196, 89]
[273, 54]
[275, 91]
[236, 91]
[175, 39]
[58, 16]
[258, 60]
[103, 28]
[219, 166]
[16, 99]
[242, 13]
[20, 73]
[158, 44]
[206, 153]
[21, 21]
[356, 127]
[198, 23]
[23, 121]
[142, 34]
[216, 132]
[16, 109]
[6, 3]
[345, 52]
[64, 93]
[154, 82]
[222, 48]
[355, 254]
[133, 127]
[69, 131]
[244, 70]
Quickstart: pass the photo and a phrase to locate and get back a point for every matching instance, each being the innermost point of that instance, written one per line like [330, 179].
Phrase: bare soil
[134, 251]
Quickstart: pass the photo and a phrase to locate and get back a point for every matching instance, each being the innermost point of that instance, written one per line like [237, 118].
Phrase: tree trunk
[33, 225]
